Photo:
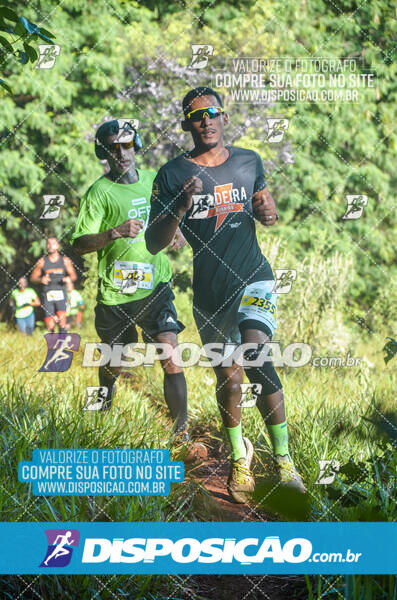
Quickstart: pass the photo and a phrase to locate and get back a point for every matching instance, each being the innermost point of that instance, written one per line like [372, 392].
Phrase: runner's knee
[229, 380]
[169, 338]
[266, 376]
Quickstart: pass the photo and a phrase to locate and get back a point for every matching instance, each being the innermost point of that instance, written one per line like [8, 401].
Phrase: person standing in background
[22, 301]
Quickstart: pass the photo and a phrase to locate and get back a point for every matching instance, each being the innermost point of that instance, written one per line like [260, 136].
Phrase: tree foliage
[120, 58]
[17, 38]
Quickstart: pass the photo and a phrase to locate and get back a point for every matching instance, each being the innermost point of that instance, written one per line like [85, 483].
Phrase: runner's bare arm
[92, 242]
[161, 231]
[36, 273]
[71, 273]
[264, 208]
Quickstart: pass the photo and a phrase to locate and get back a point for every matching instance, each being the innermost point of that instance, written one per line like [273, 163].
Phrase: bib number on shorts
[130, 276]
[55, 295]
[263, 304]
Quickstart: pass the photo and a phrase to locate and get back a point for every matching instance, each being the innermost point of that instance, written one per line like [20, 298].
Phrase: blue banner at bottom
[202, 548]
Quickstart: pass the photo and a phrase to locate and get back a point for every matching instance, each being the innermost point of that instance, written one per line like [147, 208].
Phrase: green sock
[236, 442]
[279, 438]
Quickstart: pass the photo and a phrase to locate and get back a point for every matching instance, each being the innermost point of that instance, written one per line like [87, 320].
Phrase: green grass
[333, 413]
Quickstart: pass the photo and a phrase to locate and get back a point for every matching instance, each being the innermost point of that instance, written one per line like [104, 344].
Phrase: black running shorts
[154, 314]
[53, 301]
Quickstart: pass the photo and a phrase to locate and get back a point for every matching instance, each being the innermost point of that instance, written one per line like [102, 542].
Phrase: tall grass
[333, 413]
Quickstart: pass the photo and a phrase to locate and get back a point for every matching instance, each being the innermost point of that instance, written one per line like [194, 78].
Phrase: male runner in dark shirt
[214, 193]
[53, 271]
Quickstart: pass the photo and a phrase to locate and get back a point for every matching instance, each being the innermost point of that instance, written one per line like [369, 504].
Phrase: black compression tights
[175, 394]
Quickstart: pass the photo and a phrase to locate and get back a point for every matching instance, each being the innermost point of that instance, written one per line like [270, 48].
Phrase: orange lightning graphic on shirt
[224, 203]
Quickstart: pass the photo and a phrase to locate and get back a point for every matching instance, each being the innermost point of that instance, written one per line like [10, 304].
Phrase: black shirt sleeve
[260, 179]
[163, 197]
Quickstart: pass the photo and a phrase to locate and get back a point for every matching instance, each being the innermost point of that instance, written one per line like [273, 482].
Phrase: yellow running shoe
[288, 474]
[241, 482]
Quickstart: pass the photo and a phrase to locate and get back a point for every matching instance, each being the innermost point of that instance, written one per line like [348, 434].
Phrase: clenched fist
[264, 208]
[178, 241]
[128, 229]
[189, 188]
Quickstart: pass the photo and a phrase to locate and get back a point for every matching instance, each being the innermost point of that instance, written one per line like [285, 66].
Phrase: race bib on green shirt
[126, 269]
[129, 276]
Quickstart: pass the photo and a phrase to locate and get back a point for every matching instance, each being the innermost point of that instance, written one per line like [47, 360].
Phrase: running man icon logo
[96, 397]
[59, 551]
[52, 206]
[200, 54]
[60, 348]
[276, 129]
[248, 400]
[48, 55]
[125, 126]
[225, 200]
[355, 206]
[284, 279]
[328, 471]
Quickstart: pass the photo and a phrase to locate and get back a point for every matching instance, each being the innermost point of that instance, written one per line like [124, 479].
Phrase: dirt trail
[212, 474]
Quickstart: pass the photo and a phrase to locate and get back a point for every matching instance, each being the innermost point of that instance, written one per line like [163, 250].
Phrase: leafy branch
[19, 34]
